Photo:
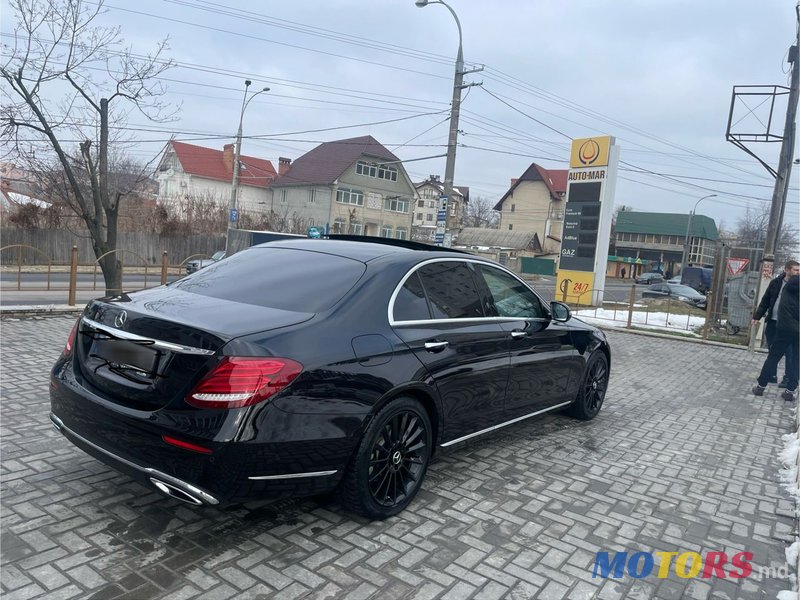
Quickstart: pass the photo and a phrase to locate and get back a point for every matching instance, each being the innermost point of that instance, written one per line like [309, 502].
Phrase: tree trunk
[111, 263]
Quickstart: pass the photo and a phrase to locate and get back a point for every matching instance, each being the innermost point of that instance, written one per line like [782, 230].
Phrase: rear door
[438, 313]
[543, 356]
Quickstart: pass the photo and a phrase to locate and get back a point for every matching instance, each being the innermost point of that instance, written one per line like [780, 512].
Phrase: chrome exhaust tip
[174, 491]
[56, 423]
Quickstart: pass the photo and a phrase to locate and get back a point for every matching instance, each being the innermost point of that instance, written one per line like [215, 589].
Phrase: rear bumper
[276, 455]
[172, 486]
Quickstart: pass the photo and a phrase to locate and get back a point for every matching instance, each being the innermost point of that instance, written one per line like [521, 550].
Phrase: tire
[593, 388]
[391, 461]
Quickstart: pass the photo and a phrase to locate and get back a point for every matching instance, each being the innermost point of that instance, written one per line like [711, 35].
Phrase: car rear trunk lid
[145, 349]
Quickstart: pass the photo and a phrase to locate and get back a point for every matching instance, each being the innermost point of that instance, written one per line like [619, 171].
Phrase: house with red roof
[353, 185]
[535, 204]
[187, 172]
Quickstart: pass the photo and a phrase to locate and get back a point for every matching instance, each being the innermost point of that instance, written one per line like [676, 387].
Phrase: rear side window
[288, 279]
[451, 290]
[411, 304]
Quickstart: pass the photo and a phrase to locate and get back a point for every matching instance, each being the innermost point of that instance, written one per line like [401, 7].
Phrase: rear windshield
[288, 279]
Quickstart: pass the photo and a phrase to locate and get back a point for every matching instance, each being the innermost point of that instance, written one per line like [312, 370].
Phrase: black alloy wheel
[391, 461]
[593, 388]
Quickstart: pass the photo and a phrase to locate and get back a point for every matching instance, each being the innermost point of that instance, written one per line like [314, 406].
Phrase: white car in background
[199, 263]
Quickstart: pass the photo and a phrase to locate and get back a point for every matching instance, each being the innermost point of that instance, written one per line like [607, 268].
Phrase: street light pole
[237, 152]
[455, 110]
[686, 256]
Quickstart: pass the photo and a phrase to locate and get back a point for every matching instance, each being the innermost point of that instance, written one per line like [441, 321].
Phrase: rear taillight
[71, 339]
[243, 381]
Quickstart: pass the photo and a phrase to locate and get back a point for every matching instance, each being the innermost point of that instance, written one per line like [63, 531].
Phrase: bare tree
[56, 48]
[751, 231]
[479, 212]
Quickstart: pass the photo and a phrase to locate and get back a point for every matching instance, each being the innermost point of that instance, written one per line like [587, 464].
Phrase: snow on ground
[646, 320]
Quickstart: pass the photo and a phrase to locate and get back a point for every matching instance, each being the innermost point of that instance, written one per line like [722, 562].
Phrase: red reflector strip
[186, 445]
[71, 339]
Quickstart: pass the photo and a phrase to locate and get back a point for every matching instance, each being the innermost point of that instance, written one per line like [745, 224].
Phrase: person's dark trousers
[791, 353]
[784, 342]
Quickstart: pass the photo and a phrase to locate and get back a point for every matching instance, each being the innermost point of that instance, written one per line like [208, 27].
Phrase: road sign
[439, 239]
[441, 216]
[737, 265]
[233, 215]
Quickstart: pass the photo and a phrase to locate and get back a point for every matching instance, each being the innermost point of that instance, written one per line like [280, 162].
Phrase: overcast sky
[657, 75]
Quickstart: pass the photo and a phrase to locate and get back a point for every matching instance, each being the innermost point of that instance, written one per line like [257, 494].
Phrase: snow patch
[649, 320]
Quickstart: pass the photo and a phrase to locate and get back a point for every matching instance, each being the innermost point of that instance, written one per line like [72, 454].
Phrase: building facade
[427, 208]
[351, 186]
[188, 174]
[534, 203]
[659, 239]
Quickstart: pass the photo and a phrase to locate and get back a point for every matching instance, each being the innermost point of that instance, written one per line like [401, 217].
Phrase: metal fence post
[73, 276]
[631, 301]
[164, 265]
[19, 268]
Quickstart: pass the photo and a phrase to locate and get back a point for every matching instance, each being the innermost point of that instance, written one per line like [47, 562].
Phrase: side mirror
[560, 312]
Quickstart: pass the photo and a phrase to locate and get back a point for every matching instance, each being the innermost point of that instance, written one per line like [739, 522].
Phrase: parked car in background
[302, 366]
[698, 278]
[648, 278]
[676, 291]
[199, 263]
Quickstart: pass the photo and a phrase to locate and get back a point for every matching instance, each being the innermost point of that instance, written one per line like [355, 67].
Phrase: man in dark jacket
[769, 306]
[787, 336]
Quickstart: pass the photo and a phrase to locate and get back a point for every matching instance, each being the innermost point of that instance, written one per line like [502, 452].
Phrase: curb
[676, 338]
[39, 310]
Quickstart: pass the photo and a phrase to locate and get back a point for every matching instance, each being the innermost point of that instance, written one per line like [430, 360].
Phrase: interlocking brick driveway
[681, 458]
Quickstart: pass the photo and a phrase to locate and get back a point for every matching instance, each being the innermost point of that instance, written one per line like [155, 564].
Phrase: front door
[542, 353]
[439, 315]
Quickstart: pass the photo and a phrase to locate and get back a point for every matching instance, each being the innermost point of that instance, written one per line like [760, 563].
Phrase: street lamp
[686, 256]
[237, 152]
[455, 109]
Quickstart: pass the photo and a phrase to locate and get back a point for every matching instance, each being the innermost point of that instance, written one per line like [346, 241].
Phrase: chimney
[514, 180]
[434, 178]
[283, 165]
[227, 157]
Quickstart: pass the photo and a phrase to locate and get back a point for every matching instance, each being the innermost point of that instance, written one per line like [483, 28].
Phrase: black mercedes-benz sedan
[301, 366]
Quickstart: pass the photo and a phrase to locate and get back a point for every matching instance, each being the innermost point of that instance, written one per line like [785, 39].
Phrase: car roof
[365, 249]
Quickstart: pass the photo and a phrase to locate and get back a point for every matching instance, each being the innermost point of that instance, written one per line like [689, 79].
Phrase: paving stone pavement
[681, 458]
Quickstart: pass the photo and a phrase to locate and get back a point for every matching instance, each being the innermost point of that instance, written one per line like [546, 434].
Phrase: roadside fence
[131, 264]
[625, 311]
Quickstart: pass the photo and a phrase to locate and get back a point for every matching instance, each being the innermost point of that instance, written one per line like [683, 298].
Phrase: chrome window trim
[293, 475]
[396, 292]
[511, 422]
[159, 344]
[465, 321]
[188, 487]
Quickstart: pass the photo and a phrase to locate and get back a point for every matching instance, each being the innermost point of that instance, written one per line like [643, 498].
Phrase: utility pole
[780, 190]
[784, 166]
[455, 111]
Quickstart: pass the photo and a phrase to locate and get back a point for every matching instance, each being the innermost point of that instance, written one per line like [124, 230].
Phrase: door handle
[518, 333]
[436, 346]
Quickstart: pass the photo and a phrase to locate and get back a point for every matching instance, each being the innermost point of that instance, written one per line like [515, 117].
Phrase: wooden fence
[56, 244]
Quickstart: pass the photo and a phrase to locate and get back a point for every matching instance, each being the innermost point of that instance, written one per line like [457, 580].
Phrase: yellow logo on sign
[590, 152]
